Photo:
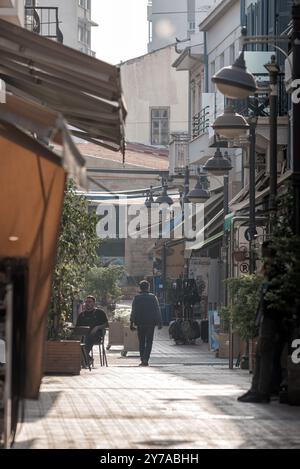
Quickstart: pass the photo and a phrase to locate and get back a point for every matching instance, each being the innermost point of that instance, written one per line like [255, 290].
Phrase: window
[160, 126]
[84, 34]
[192, 27]
[222, 61]
[86, 4]
[231, 54]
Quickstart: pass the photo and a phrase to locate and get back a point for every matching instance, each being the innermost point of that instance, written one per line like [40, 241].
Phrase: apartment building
[74, 21]
[169, 20]
[12, 11]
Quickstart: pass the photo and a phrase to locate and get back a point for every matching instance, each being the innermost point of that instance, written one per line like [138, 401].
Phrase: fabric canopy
[85, 90]
[32, 181]
[47, 126]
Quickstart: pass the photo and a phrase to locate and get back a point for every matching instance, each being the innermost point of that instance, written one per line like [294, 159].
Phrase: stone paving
[186, 399]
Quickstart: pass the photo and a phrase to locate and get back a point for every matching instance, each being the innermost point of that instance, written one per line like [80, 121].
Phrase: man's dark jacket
[145, 310]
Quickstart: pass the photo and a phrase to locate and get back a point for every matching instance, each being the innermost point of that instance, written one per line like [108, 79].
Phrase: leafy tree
[77, 253]
[284, 292]
[245, 295]
[102, 282]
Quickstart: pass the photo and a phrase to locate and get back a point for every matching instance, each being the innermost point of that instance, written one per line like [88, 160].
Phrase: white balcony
[12, 11]
[178, 153]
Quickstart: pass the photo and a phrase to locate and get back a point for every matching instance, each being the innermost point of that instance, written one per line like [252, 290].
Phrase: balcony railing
[179, 152]
[200, 123]
[246, 108]
[43, 21]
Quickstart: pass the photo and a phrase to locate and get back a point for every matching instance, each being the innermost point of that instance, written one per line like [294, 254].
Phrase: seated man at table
[97, 321]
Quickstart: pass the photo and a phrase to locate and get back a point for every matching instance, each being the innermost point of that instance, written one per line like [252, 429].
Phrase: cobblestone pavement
[185, 399]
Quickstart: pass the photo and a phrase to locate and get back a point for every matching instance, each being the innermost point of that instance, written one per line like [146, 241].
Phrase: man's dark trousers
[145, 335]
[93, 338]
[268, 340]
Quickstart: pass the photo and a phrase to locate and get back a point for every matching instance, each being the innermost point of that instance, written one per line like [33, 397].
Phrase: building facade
[221, 44]
[75, 21]
[156, 97]
[12, 11]
[169, 20]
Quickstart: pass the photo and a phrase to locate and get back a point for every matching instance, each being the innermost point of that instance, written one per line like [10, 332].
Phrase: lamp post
[232, 125]
[199, 194]
[273, 70]
[164, 198]
[220, 165]
[295, 38]
[252, 191]
[237, 82]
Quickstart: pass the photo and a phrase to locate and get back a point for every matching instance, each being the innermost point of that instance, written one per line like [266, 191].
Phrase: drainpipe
[243, 12]
[206, 83]
[190, 108]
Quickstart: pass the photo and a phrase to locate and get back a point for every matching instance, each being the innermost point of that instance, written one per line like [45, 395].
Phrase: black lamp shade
[230, 125]
[235, 81]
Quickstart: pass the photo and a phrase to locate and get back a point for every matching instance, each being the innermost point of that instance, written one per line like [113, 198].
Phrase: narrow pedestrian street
[186, 399]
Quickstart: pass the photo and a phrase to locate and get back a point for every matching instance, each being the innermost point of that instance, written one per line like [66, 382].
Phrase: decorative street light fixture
[149, 200]
[230, 124]
[236, 82]
[199, 194]
[218, 164]
[164, 198]
[274, 71]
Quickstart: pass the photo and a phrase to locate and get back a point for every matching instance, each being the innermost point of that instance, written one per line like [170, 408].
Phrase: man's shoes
[254, 398]
[144, 363]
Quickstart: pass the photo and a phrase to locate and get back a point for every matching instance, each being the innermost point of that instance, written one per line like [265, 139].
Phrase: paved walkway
[185, 399]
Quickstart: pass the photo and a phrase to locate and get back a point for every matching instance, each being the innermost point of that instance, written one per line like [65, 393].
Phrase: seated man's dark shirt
[96, 317]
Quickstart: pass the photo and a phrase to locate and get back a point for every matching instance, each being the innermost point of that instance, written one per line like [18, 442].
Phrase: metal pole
[296, 117]
[164, 269]
[186, 184]
[225, 244]
[273, 140]
[252, 221]
[226, 266]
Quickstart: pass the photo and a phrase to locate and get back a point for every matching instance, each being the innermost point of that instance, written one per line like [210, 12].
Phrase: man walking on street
[145, 315]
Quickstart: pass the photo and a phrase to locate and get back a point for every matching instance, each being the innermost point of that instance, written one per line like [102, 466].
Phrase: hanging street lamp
[218, 164]
[149, 199]
[164, 198]
[235, 81]
[199, 194]
[230, 124]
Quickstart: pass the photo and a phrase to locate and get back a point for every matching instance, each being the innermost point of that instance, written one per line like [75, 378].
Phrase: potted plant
[77, 252]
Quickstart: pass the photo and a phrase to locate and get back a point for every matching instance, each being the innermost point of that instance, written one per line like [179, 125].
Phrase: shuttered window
[160, 126]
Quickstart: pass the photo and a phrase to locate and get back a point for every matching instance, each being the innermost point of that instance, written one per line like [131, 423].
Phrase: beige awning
[85, 90]
[32, 182]
[47, 126]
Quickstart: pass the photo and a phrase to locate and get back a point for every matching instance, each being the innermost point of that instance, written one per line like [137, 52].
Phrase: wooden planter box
[131, 341]
[115, 334]
[63, 357]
